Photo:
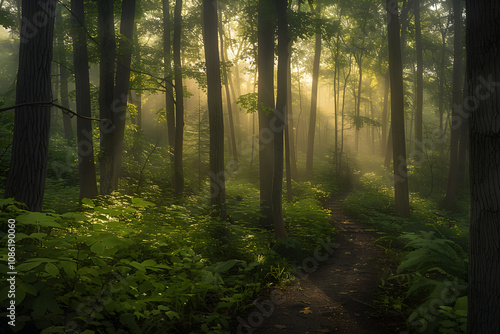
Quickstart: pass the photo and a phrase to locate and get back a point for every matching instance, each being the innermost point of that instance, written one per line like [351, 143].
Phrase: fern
[430, 254]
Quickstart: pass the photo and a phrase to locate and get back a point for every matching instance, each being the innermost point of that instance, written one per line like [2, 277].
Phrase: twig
[49, 104]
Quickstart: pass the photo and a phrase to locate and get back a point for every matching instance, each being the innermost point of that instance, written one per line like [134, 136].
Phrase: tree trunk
[124, 59]
[420, 80]
[106, 87]
[451, 189]
[314, 102]
[179, 102]
[63, 75]
[385, 118]
[265, 63]
[28, 165]
[279, 117]
[169, 92]
[232, 136]
[290, 135]
[88, 181]
[483, 73]
[402, 206]
[215, 113]
[359, 62]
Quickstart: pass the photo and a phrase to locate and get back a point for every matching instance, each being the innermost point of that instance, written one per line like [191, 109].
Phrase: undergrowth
[425, 276]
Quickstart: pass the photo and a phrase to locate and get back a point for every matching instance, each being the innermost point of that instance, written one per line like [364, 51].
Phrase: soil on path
[337, 297]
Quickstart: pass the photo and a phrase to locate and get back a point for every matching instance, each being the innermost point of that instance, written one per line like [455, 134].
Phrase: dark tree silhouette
[87, 173]
[107, 46]
[402, 206]
[456, 101]
[169, 91]
[216, 118]
[483, 77]
[124, 59]
[179, 101]
[279, 118]
[28, 165]
[265, 63]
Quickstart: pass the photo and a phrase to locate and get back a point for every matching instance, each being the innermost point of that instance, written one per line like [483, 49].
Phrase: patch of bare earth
[336, 297]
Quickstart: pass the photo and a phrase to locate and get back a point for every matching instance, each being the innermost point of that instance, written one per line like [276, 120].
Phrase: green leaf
[38, 236]
[28, 266]
[38, 218]
[52, 269]
[141, 202]
[88, 202]
[129, 321]
[172, 315]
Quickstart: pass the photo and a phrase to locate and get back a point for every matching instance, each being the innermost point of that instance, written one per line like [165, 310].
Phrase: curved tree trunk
[28, 165]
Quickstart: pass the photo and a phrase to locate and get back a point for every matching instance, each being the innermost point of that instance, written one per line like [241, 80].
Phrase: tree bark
[420, 80]
[402, 206]
[451, 188]
[87, 173]
[124, 59]
[106, 87]
[385, 118]
[28, 165]
[169, 92]
[215, 113]
[179, 101]
[314, 102]
[483, 73]
[265, 63]
[279, 119]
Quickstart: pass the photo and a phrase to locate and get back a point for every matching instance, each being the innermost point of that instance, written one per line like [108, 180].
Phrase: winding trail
[338, 296]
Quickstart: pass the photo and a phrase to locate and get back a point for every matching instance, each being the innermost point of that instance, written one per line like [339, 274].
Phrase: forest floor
[336, 296]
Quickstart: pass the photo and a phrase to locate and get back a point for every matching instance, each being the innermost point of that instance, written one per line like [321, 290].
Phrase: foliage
[429, 250]
[124, 264]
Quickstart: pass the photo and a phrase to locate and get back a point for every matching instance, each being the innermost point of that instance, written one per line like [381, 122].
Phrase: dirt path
[336, 297]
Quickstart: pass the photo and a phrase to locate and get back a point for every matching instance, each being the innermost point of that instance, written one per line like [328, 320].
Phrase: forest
[252, 166]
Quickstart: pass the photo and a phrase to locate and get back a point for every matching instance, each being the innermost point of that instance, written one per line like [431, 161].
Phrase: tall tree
[215, 114]
[179, 101]
[483, 77]
[402, 206]
[420, 80]
[28, 165]
[169, 92]
[124, 59]
[456, 122]
[107, 45]
[232, 137]
[314, 98]
[279, 117]
[87, 173]
[265, 64]
[63, 73]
